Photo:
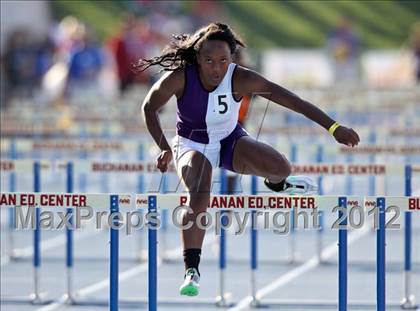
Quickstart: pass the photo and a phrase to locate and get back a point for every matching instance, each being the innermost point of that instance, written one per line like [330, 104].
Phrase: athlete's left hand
[346, 136]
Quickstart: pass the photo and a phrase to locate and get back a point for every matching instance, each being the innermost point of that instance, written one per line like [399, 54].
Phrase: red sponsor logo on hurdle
[8, 199]
[152, 168]
[290, 202]
[117, 167]
[257, 202]
[318, 169]
[141, 201]
[371, 169]
[373, 149]
[124, 201]
[77, 145]
[370, 203]
[353, 203]
[414, 204]
[7, 165]
[62, 200]
[45, 199]
[337, 169]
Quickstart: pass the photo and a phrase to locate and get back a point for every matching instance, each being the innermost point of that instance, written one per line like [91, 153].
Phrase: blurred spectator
[65, 35]
[24, 63]
[415, 45]
[132, 43]
[45, 54]
[73, 62]
[120, 48]
[205, 12]
[19, 64]
[86, 63]
[344, 47]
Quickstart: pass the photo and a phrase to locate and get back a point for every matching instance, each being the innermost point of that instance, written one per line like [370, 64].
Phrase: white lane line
[105, 282]
[127, 274]
[328, 252]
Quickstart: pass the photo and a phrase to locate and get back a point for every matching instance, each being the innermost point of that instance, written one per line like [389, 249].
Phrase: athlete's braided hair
[183, 49]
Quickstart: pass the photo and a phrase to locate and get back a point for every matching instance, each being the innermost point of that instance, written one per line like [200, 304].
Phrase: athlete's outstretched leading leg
[195, 172]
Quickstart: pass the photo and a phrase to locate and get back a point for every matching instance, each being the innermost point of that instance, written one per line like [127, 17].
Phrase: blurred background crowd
[69, 52]
[72, 59]
[68, 93]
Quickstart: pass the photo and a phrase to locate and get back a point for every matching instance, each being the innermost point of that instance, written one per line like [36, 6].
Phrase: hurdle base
[409, 303]
[294, 259]
[223, 302]
[327, 304]
[286, 261]
[257, 304]
[16, 255]
[69, 299]
[31, 299]
[38, 299]
[143, 302]
[141, 256]
[83, 259]
[370, 263]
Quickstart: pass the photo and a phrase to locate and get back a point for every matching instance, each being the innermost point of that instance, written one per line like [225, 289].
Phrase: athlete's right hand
[163, 160]
[346, 136]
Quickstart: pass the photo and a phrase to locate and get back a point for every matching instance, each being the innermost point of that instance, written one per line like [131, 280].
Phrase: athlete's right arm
[170, 84]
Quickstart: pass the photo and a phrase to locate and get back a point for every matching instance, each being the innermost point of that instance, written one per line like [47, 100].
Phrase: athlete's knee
[197, 174]
[287, 167]
[281, 167]
[199, 201]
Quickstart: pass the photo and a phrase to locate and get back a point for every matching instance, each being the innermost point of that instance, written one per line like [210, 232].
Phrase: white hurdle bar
[18, 146]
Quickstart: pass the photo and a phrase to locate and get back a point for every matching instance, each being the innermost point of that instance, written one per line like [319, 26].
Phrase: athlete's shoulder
[173, 81]
[244, 75]
[248, 80]
[175, 76]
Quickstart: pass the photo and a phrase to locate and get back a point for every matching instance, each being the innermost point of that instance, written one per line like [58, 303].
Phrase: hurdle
[26, 166]
[407, 285]
[170, 201]
[42, 200]
[408, 300]
[136, 167]
[83, 166]
[292, 238]
[12, 188]
[408, 204]
[14, 166]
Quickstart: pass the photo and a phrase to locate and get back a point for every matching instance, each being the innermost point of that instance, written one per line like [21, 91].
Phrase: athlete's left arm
[249, 82]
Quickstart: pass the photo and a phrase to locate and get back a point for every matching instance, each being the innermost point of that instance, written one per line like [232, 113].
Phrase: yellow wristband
[333, 127]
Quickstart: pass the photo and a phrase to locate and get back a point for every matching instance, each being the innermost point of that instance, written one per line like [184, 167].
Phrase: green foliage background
[263, 24]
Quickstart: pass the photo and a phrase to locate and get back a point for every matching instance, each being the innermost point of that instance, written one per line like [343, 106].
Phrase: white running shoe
[191, 285]
[294, 185]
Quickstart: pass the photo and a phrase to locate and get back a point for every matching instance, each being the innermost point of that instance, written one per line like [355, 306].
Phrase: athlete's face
[213, 59]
